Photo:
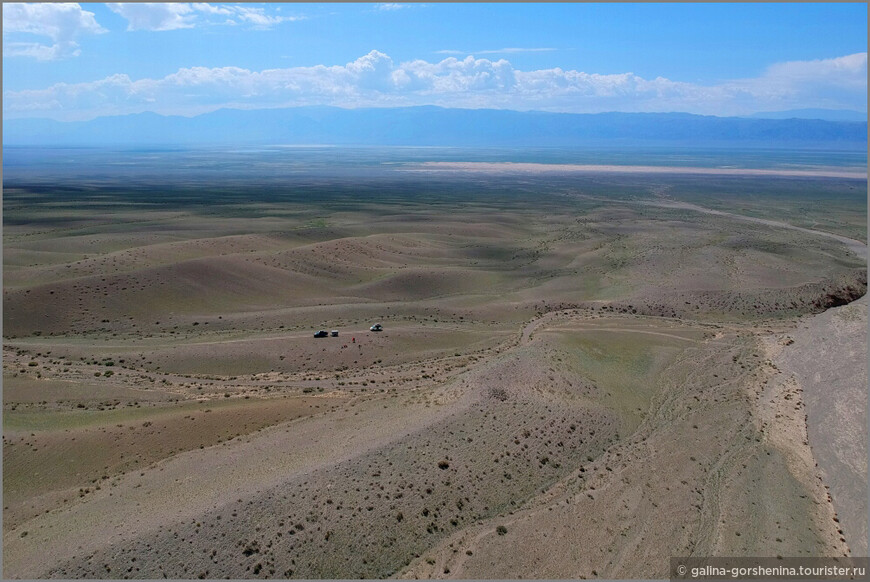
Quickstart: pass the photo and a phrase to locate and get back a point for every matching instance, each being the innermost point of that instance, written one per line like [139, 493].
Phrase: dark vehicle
[334, 333]
[376, 327]
[322, 333]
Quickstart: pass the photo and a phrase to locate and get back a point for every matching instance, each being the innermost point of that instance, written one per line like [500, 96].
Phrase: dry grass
[545, 361]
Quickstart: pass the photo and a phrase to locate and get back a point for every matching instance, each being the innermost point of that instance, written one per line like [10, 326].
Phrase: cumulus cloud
[156, 16]
[822, 83]
[60, 22]
[63, 23]
[376, 80]
[848, 72]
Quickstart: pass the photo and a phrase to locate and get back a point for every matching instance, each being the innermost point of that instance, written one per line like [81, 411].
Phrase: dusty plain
[608, 367]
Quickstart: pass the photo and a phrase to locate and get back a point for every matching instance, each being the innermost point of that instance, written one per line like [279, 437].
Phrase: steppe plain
[582, 371]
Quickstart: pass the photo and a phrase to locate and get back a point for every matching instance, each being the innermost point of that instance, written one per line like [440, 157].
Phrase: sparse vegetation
[537, 351]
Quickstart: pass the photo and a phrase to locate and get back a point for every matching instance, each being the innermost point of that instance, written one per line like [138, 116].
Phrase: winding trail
[856, 246]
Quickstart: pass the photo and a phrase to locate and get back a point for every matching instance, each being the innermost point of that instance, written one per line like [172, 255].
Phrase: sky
[77, 61]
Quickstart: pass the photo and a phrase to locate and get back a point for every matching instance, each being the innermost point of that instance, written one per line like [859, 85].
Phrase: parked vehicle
[322, 333]
[376, 327]
[334, 333]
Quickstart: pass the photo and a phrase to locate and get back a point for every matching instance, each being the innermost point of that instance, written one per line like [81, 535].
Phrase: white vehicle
[376, 327]
[334, 333]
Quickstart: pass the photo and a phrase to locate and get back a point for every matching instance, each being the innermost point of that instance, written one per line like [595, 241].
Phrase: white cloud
[376, 80]
[847, 72]
[41, 52]
[821, 83]
[60, 22]
[850, 69]
[154, 15]
[211, 9]
[258, 17]
[386, 6]
[157, 16]
[63, 23]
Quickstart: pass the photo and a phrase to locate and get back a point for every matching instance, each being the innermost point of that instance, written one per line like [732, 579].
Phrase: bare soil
[567, 385]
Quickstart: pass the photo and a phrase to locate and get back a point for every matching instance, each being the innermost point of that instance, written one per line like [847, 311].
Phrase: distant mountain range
[826, 114]
[432, 126]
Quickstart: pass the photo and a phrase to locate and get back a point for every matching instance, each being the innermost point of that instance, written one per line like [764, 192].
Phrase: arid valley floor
[607, 367]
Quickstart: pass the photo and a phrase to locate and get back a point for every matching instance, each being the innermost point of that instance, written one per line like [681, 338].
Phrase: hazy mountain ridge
[824, 114]
[428, 125]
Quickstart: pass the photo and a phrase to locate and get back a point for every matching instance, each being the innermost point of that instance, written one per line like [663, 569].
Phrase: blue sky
[79, 61]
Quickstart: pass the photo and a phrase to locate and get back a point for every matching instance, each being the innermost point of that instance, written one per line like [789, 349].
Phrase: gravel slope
[828, 359]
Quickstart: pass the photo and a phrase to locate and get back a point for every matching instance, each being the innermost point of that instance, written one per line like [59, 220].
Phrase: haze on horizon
[74, 62]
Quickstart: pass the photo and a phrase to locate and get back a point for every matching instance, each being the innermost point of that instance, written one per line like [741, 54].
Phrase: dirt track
[856, 246]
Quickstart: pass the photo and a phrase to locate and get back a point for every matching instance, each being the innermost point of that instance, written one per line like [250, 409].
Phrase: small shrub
[501, 530]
